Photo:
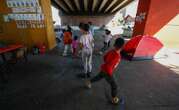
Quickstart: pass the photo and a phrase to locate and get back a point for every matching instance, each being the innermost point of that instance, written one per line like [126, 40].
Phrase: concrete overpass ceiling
[102, 5]
[86, 5]
[90, 7]
[59, 5]
[121, 5]
[110, 5]
[77, 4]
[95, 2]
[69, 3]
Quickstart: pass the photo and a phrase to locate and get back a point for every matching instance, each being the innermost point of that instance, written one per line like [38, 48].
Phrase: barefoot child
[111, 60]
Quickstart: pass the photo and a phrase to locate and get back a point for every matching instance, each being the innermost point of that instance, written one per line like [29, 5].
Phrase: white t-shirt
[87, 41]
[107, 38]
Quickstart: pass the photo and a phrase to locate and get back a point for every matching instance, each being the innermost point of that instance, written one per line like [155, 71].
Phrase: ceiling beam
[66, 5]
[74, 5]
[122, 6]
[86, 5]
[78, 7]
[56, 5]
[106, 6]
[90, 5]
[118, 2]
[82, 7]
[96, 9]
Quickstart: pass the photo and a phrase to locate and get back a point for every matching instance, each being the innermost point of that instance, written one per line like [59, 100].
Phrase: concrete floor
[50, 82]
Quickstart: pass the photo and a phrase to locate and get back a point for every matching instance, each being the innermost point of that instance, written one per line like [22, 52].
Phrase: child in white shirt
[107, 39]
[86, 44]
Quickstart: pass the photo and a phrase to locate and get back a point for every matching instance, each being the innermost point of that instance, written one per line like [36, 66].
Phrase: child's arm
[81, 46]
[80, 43]
[92, 41]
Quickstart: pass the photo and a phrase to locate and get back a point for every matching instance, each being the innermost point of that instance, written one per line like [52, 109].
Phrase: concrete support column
[158, 18]
[141, 17]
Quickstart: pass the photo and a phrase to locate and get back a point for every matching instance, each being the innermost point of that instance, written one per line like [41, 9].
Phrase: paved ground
[49, 82]
[171, 59]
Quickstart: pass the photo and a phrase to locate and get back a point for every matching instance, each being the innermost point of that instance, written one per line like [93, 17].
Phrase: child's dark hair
[90, 23]
[119, 42]
[81, 25]
[75, 37]
[69, 28]
[85, 27]
[108, 31]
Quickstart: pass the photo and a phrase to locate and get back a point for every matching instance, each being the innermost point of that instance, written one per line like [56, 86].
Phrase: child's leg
[113, 85]
[97, 77]
[85, 62]
[104, 47]
[65, 49]
[71, 48]
[74, 51]
[109, 44]
[90, 62]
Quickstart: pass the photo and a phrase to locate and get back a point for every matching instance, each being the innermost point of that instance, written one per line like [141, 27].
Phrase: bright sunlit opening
[116, 24]
[55, 16]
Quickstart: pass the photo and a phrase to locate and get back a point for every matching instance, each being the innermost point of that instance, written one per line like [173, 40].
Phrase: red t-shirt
[111, 61]
[67, 37]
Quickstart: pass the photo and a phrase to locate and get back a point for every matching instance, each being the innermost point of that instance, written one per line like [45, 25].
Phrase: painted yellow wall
[49, 22]
[169, 34]
[29, 37]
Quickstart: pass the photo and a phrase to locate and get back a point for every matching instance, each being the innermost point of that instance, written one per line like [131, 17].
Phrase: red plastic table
[10, 48]
[3, 51]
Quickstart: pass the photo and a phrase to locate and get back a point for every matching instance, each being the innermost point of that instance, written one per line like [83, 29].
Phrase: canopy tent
[141, 47]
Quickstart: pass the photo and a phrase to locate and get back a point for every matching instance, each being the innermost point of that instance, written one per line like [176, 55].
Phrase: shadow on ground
[49, 82]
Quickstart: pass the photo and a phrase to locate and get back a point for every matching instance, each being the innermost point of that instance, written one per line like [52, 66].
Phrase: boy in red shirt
[111, 61]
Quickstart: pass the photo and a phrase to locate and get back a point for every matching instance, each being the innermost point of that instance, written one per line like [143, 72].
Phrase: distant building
[129, 19]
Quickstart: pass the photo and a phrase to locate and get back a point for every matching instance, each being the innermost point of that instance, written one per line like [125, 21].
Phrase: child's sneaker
[115, 100]
[88, 84]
